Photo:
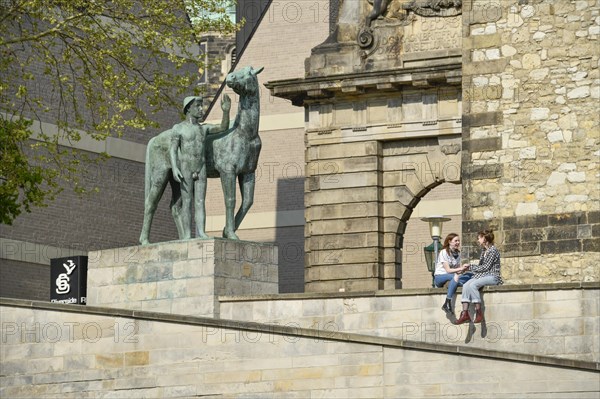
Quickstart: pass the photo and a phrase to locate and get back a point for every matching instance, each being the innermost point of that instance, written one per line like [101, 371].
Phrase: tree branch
[56, 29]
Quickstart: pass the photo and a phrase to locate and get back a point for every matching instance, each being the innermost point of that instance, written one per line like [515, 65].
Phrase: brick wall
[279, 175]
[109, 218]
[285, 37]
[113, 217]
[24, 280]
[43, 87]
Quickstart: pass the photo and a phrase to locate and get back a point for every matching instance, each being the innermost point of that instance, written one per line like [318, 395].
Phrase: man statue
[379, 7]
[177, 156]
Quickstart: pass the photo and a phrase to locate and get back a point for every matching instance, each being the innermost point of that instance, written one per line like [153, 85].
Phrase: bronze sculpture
[187, 154]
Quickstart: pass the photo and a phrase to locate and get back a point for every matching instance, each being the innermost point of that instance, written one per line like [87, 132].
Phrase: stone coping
[192, 240]
[306, 333]
[406, 292]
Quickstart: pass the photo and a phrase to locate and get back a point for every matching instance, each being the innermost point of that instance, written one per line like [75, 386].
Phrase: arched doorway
[443, 199]
[412, 169]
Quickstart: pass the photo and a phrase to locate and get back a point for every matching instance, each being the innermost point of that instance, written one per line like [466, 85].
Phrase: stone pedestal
[181, 277]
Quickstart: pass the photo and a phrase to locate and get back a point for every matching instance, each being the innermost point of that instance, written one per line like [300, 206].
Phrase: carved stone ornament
[450, 149]
[435, 8]
[403, 13]
[365, 38]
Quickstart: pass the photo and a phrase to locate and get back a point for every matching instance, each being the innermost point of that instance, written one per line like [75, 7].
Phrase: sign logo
[62, 282]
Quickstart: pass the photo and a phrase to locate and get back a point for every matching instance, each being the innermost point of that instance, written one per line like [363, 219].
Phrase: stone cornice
[318, 88]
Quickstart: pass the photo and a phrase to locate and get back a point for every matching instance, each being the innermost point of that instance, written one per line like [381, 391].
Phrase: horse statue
[190, 152]
[235, 154]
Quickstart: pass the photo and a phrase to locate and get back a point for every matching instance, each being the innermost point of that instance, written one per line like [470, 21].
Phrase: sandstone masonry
[530, 135]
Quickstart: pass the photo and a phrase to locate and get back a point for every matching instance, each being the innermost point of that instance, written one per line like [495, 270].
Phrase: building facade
[516, 83]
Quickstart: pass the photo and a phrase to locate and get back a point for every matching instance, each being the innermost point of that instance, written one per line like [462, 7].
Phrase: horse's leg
[154, 193]
[176, 205]
[247, 182]
[228, 185]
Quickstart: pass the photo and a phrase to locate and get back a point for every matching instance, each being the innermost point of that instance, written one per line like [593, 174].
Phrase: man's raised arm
[226, 107]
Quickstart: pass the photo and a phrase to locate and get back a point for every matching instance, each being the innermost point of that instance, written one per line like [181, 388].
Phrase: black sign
[68, 279]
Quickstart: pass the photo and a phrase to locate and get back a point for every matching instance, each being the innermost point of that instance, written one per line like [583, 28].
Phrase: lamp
[429, 260]
[435, 230]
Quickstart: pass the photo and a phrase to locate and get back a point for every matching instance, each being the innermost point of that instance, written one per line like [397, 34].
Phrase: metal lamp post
[435, 230]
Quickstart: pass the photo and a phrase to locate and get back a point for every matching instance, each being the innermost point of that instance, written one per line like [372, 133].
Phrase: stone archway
[359, 198]
[399, 266]
[411, 169]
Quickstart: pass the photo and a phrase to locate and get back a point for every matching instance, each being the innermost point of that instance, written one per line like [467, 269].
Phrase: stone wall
[360, 195]
[530, 135]
[55, 351]
[562, 322]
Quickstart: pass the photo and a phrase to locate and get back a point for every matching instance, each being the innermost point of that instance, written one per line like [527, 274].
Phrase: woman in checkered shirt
[487, 272]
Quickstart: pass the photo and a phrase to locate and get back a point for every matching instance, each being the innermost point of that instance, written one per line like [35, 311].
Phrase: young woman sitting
[448, 268]
[487, 272]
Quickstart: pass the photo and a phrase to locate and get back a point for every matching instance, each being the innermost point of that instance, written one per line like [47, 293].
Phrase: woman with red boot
[487, 272]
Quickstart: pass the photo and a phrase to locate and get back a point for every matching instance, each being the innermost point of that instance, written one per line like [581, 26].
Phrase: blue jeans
[470, 292]
[440, 279]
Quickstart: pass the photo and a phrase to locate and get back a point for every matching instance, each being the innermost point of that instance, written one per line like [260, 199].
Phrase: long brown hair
[447, 240]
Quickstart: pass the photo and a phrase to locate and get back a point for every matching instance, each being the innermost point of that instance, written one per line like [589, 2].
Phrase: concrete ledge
[306, 333]
[407, 292]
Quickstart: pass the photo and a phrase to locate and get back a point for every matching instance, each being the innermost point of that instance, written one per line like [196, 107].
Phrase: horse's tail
[147, 168]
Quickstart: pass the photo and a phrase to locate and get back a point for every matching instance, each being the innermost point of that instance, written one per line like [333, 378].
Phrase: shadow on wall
[289, 236]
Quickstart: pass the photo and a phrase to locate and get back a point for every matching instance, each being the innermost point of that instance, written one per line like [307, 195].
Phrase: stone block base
[181, 277]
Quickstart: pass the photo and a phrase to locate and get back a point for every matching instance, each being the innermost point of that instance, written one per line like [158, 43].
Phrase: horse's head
[243, 81]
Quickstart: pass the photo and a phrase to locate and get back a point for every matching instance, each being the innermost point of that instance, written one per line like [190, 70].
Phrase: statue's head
[188, 101]
[243, 81]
